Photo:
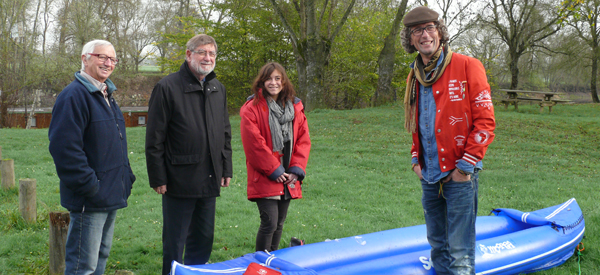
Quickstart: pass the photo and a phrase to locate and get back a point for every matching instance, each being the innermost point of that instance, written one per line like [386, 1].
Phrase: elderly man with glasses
[89, 146]
[449, 112]
[188, 152]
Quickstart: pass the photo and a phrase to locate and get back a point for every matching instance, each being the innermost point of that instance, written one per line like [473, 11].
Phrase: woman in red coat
[276, 142]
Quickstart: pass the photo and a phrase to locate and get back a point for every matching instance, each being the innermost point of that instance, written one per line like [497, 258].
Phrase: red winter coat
[464, 121]
[262, 164]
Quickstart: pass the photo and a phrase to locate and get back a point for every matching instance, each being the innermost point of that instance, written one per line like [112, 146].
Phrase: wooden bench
[546, 101]
[528, 99]
[565, 101]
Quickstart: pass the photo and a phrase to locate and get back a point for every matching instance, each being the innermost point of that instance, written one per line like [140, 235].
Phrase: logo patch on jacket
[456, 90]
[482, 137]
[460, 140]
[484, 99]
[454, 120]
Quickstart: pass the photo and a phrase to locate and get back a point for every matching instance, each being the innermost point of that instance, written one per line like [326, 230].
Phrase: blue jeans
[450, 215]
[88, 242]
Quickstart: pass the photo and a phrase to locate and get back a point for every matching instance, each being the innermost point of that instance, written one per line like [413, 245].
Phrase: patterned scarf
[280, 122]
[419, 72]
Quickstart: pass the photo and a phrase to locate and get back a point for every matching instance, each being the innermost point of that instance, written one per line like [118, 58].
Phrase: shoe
[296, 242]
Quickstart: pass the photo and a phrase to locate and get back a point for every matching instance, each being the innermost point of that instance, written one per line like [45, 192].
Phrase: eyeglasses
[203, 53]
[103, 58]
[419, 31]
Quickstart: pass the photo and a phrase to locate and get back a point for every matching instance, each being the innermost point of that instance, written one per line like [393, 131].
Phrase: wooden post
[27, 200]
[8, 173]
[59, 226]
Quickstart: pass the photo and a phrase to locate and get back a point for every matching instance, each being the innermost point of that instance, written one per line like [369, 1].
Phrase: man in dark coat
[88, 143]
[188, 152]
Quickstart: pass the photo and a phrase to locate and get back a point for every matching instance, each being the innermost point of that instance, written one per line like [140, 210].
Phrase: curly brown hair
[405, 35]
[258, 87]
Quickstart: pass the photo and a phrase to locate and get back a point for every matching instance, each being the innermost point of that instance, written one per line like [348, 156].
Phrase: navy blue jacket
[89, 147]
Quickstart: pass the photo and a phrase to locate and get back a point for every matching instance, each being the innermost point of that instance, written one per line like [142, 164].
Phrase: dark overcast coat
[188, 136]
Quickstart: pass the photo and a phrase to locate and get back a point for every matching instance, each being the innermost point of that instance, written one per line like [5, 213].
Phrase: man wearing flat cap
[449, 112]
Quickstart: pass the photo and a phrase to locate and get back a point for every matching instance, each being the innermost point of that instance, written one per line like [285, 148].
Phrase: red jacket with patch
[464, 122]
[262, 164]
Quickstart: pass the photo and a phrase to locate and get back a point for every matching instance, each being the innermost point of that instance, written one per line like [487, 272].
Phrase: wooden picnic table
[547, 98]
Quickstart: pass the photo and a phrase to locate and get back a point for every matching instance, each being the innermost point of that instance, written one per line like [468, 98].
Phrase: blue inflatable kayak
[508, 242]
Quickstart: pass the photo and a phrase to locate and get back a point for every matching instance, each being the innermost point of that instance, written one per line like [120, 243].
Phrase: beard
[197, 67]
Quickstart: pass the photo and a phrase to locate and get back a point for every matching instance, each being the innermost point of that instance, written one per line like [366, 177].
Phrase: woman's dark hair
[258, 87]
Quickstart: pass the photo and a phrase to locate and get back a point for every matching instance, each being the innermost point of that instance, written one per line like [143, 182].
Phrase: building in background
[17, 117]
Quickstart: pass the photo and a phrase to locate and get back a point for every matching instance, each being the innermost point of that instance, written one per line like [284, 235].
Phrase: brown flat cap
[420, 15]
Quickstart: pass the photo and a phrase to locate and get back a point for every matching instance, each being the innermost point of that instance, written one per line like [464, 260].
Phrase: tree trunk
[312, 53]
[302, 83]
[62, 38]
[316, 57]
[3, 110]
[514, 70]
[594, 89]
[385, 91]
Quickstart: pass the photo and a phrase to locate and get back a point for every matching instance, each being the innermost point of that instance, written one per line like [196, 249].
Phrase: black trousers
[272, 217]
[188, 223]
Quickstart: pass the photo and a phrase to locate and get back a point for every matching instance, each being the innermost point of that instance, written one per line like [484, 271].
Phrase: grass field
[149, 68]
[358, 181]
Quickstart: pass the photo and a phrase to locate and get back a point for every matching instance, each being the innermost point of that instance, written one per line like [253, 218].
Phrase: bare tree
[523, 24]
[458, 15]
[133, 33]
[164, 13]
[13, 54]
[46, 21]
[483, 44]
[81, 21]
[63, 19]
[312, 41]
[586, 27]
[209, 11]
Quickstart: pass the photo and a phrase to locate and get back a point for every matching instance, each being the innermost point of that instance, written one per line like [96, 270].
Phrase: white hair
[89, 47]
